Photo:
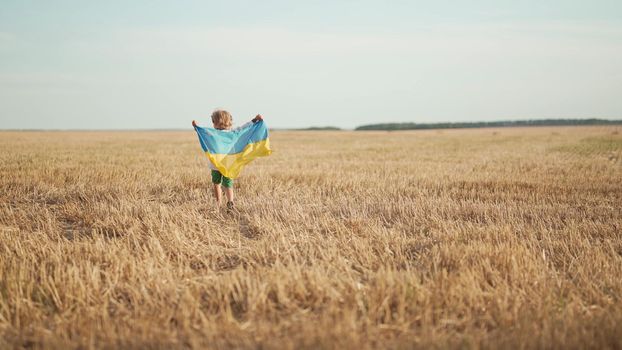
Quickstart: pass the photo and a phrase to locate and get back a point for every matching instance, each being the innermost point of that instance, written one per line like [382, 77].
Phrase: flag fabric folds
[230, 150]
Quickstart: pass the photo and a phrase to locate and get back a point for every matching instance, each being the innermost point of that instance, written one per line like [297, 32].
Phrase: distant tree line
[462, 125]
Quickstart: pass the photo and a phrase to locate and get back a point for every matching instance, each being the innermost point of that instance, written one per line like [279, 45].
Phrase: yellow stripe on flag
[230, 165]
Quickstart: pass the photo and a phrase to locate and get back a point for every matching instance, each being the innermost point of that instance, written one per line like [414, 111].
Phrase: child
[222, 120]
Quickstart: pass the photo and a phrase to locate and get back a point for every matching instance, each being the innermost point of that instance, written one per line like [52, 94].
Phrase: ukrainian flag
[231, 150]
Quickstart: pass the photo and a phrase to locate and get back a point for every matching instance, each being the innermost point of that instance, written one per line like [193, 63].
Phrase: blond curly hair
[222, 119]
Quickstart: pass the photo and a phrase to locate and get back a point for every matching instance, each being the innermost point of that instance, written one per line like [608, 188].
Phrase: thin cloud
[519, 38]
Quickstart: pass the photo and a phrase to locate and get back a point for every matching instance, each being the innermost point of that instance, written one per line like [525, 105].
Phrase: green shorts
[218, 179]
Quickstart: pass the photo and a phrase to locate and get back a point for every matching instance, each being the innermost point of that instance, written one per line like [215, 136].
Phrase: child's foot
[230, 206]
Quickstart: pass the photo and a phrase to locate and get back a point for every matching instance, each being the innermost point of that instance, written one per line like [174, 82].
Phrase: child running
[222, 120]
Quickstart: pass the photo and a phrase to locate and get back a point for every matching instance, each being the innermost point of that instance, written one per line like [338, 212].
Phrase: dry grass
[478, 238]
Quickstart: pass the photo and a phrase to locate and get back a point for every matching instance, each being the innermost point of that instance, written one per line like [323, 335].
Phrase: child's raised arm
[194, 124]
[253, 121]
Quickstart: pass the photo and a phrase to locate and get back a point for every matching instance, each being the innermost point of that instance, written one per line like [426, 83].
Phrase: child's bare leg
[218, 193]
[229, 194]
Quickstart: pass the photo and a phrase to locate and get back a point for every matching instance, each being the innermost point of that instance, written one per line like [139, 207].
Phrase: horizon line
[335, 128]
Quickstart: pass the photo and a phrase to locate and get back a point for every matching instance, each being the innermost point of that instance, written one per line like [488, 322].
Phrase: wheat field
[488, 238]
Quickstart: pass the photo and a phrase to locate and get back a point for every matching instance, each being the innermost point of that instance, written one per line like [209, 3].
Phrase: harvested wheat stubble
[454, 238]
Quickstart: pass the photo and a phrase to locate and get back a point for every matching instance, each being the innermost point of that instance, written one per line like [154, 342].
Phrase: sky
[154, 64]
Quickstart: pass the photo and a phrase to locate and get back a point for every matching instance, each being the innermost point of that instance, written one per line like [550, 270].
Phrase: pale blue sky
[160, 64]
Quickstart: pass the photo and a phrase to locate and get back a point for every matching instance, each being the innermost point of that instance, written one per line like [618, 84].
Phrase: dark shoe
[230, 206]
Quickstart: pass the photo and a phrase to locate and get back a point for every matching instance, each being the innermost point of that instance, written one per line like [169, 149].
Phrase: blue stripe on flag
[230, 142]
